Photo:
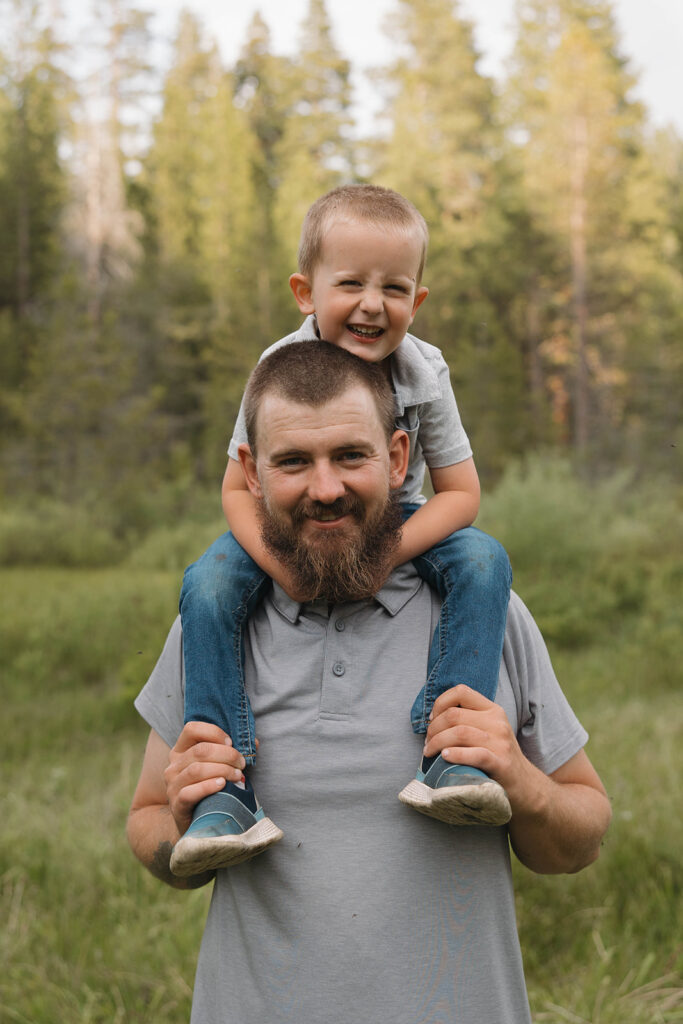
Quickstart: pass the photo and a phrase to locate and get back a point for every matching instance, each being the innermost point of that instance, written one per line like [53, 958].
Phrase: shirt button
[340, 625]
[338, 668]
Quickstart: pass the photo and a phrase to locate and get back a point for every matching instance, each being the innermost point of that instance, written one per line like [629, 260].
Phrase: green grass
[89, 936]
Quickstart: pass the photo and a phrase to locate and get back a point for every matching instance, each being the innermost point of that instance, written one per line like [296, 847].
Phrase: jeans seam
[246, 734]
[442, 628]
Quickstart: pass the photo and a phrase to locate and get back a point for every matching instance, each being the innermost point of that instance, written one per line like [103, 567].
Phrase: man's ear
[303, 293]
[399, 456]
[248, 464]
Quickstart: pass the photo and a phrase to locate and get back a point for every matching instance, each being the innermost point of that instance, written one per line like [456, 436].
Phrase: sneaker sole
[485, 804]
[194, 856]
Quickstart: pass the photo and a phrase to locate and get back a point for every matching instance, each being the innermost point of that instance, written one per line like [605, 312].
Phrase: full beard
[335, 567]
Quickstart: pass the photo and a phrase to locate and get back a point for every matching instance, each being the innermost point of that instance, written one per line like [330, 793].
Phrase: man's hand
[558, 820]
[171, 782]
[467, 728]
[199, 764]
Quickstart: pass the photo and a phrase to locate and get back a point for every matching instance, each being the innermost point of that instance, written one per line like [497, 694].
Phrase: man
[365, 911]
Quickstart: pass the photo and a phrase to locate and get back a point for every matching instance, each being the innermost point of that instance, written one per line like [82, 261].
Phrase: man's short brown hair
[371, 203]
[313, 373]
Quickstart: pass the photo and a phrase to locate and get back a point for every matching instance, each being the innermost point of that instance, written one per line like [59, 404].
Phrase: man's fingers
[457, 736]
[200, 732]
[199, 771]
[461, 696]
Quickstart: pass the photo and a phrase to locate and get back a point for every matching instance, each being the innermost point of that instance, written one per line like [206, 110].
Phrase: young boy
[361, 259]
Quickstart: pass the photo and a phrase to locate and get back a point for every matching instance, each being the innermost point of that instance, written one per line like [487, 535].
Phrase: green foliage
[585, 555]
[55, 534]
[148, 245]
[115, 945]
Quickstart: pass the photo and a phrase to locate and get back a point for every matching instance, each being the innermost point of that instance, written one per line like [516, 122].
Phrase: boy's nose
[371, 301]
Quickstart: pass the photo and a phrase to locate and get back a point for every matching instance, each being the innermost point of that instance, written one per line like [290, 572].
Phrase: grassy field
[90, 938]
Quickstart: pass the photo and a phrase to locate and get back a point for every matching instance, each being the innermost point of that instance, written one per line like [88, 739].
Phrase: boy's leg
[219, 593]
[471, 572]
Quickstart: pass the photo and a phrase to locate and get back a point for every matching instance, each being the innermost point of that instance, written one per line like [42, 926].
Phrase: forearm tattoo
[161, 868]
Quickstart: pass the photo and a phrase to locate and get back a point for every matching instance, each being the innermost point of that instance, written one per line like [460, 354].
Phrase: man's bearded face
[347, 564]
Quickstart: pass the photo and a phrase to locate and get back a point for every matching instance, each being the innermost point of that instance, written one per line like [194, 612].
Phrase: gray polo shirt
[366, 911]
[425, 408]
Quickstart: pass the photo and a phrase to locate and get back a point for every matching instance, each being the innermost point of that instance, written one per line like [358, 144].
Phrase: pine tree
[107, 140]
[265, 92]
[203, 207]
[580, 138]
[32, 180]
[444, 153]
[315, 151]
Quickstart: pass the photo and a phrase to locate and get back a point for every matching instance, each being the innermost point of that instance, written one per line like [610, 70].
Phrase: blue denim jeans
[219, 593]
[471, 573]
[469, 570]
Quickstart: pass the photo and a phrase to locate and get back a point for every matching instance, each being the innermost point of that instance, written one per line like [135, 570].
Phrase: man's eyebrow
[286, 453]
[351, 445]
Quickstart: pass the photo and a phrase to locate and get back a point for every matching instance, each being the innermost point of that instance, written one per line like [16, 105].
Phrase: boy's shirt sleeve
[441, 433]
[239, 434]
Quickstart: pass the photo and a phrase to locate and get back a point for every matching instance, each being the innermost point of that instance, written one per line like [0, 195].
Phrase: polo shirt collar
[403, 583]
[414, 379]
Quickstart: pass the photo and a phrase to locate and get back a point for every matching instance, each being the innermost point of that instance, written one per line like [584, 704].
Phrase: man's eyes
[297, 461]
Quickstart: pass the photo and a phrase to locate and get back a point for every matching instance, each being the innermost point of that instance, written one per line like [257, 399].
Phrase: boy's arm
[240, 508]
[454, 505]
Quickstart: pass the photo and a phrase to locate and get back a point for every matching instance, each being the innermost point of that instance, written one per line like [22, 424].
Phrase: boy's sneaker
[227, 828]
[456, 794]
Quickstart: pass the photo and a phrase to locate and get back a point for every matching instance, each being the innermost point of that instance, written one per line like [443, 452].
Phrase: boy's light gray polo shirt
[425, 408]
[365, 911]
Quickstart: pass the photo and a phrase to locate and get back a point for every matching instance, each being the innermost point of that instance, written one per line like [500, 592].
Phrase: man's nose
[325, 484]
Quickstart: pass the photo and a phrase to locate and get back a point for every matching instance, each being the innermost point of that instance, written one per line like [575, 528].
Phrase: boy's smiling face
[364, 288]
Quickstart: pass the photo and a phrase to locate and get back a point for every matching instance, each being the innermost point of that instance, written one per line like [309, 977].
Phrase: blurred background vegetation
[149, 221]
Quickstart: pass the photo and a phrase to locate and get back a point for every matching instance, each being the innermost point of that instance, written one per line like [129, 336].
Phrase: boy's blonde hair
[372, 203]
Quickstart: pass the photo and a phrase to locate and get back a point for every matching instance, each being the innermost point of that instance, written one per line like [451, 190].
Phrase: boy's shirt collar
[413, 377]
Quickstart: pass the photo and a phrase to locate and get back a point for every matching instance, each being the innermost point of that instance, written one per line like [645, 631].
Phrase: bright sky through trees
[652, 36]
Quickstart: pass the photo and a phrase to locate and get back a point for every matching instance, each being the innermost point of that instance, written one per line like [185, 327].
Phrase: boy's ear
[303, 293]
[420, 295]
[248, 464]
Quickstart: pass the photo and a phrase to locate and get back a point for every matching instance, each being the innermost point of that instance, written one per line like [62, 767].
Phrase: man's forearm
[563, 831]
[152, 834]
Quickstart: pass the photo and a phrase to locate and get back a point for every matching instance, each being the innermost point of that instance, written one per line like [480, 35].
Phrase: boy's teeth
[368, 332]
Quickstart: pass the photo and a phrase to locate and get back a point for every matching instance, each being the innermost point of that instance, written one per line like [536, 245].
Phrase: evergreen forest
[150, 219]
[150, 210]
